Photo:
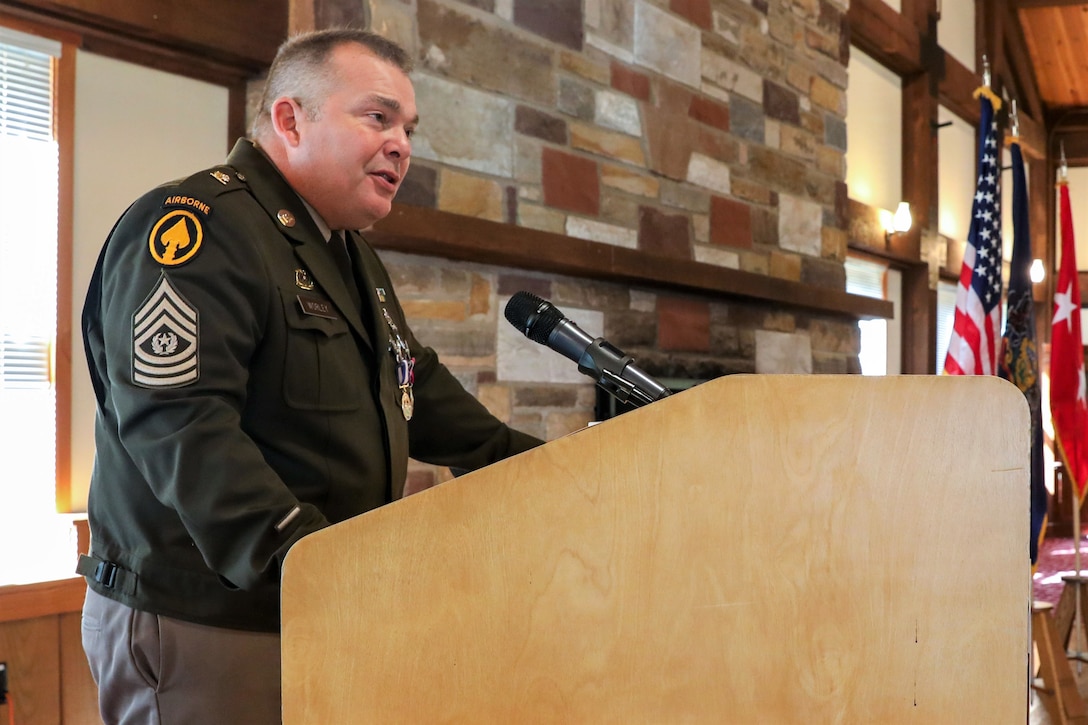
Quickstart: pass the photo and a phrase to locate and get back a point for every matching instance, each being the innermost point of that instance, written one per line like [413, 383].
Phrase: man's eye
[409, 132]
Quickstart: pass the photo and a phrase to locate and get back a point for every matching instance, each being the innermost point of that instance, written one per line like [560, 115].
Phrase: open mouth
[387, 176]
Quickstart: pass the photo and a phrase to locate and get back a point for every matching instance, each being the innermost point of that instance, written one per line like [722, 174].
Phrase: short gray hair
[301, 69]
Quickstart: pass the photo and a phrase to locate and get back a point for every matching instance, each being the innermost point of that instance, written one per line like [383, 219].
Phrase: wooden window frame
[64, 97]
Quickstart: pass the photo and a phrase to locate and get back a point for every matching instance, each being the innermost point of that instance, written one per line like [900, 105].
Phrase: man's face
[352, 156]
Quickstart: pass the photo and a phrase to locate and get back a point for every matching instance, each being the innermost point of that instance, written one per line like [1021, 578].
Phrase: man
[256, 381]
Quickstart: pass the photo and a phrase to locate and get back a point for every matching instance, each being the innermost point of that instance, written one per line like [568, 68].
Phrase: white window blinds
[28, 209]
[870, 279]
[26, 88]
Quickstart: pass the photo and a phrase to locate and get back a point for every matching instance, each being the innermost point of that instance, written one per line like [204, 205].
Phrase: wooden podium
[758, 549]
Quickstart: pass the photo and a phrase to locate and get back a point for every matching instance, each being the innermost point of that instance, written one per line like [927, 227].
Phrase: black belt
[107, 574]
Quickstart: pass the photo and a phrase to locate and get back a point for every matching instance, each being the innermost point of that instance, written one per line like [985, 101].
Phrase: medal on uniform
[405, 366]
[405, 378]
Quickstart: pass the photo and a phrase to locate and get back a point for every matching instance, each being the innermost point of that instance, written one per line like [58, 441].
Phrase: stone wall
[710, 130]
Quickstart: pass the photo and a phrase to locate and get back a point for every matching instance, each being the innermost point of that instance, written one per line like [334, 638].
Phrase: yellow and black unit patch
[176, 238]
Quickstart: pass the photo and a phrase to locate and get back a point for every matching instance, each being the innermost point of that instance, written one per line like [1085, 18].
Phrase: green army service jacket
[243, 400]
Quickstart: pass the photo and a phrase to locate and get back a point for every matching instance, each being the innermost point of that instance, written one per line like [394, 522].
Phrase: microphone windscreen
[535, 317]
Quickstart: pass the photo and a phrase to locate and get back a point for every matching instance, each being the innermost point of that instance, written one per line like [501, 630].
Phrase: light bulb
[1038, 272]
[902, 221]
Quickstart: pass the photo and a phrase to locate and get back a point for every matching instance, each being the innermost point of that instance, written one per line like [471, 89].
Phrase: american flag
[976, 331]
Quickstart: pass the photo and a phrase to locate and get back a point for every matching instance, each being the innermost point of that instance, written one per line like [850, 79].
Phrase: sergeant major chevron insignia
[165, 339]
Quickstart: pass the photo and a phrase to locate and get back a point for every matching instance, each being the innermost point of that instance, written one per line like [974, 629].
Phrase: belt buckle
[106, 574]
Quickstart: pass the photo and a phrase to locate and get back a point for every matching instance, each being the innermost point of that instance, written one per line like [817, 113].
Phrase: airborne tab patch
[165, 337]
[175, 238]
[182, 200]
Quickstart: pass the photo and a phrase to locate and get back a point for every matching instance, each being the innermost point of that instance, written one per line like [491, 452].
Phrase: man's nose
[399, 145]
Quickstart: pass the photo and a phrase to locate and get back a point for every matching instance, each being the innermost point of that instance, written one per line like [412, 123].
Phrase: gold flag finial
[984, 89]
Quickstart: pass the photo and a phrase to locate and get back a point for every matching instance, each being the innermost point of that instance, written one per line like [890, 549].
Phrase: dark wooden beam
[919, 157]
[956, 90]
[863, 228]
[1032, 138]
[1025, 85]
[238, 37]
[1039, 221]
[1011, 71]
[866, 234]
[989, 36]
[1076, 147]
[922, 14]
[1069, 121]
[429, 232]
[1029, 4]
[304, 15]
[919, 329]
[878, 31]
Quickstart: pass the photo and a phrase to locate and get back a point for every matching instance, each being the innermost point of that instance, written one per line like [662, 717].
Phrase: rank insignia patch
[175, 238]
[165, 337]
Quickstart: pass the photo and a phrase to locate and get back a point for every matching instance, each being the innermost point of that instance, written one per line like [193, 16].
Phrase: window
[880, 339]
[946, 319]
[29, 183]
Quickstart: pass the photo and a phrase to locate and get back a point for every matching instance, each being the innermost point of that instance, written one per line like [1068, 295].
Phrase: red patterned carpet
[1057, 559]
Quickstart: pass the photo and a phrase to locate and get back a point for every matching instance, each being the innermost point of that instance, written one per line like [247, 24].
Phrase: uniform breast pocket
[322, 367]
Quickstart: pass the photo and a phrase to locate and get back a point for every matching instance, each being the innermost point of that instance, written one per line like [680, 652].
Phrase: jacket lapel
[314, 255]
[292, 217]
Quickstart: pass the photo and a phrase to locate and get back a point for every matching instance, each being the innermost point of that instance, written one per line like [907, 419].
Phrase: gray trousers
[162, 671]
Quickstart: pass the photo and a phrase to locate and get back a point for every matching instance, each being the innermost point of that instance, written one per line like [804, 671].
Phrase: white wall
[135, 128]
[874, 132]
[1008, 235]
[956, 30]
[957, 165]
[1078, 203]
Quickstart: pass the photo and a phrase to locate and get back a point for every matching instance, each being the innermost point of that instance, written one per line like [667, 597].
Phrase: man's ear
[285, 113]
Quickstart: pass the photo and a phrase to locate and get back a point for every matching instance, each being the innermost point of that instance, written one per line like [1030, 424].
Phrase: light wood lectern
[758, 549]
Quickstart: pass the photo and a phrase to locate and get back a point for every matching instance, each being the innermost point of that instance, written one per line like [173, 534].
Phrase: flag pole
[1078, 639]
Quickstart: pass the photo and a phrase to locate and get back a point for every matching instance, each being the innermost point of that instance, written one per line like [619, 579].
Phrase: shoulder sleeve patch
[175, 238]
[165, 339]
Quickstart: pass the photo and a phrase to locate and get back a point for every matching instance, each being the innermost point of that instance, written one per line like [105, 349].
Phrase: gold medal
[407, 402]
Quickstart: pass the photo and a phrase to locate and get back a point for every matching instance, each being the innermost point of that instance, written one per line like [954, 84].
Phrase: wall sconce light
[1037, 272]
[901, 222]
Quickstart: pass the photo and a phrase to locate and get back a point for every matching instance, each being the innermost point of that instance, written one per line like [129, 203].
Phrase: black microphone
[541, 322]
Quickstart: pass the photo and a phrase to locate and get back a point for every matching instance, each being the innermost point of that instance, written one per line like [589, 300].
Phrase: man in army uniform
[256, 381]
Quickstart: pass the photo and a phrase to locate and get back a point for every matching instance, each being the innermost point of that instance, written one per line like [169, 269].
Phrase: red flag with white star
[976, 329]
[1067, 385]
